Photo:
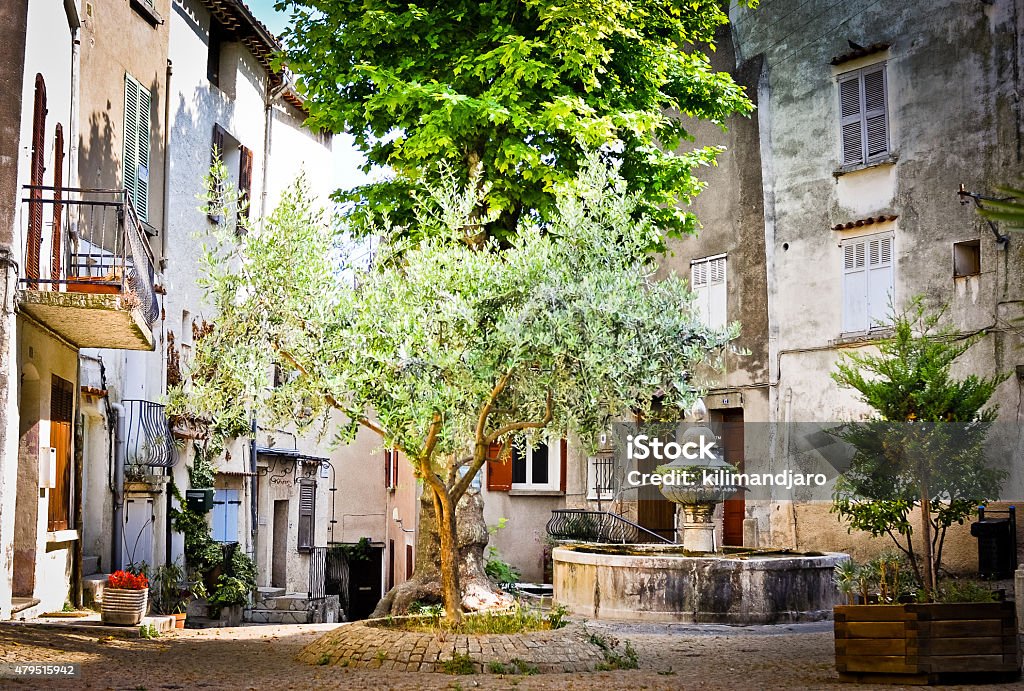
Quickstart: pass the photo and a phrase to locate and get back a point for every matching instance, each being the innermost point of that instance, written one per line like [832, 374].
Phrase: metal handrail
[596, 526]
[96, 244]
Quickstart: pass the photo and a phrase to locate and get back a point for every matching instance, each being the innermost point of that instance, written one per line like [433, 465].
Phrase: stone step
[293, 602]
[90, 565]
[192, 622]
[267, 591]
[276, 616]
[23, 608]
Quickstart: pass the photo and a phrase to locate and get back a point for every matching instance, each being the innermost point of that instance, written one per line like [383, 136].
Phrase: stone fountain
[698, 485]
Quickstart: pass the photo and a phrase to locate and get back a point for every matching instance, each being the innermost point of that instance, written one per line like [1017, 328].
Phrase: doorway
[731, 434]
[364, 584]
[279, 557]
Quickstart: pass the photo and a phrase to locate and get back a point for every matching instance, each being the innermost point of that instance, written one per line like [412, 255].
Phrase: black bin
[996, 547]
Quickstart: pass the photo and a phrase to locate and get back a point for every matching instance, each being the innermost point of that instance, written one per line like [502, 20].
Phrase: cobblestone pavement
[263, 657]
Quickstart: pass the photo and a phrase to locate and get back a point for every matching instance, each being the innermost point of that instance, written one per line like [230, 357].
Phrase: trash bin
[996, 547]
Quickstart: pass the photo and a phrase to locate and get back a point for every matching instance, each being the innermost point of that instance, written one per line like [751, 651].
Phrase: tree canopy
[516, 90]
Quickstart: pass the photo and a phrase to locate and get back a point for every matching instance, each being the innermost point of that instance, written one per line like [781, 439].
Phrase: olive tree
[445, 348]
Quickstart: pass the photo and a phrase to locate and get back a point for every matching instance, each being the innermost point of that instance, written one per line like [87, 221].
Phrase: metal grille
[598, 526]
[148, 439]
[317, 573]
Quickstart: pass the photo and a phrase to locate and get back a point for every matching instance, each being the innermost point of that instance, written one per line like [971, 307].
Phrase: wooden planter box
[124, 607]
[924, 643]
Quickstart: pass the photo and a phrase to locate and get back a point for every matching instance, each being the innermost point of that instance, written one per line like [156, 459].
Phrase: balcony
[88, 274]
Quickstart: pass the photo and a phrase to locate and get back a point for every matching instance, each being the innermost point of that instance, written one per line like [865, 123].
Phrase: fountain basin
[664, 583]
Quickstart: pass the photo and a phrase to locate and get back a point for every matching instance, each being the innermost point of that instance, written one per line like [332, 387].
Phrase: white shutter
[876, 123]
[880, 280]
[699, 284]
[855, 287]
[717, 294]
[851, 122]
[130, 160]
[138, 532]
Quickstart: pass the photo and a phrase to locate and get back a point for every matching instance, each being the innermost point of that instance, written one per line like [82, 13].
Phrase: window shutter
[850, 114]
[879, 280]
[855, 287]
[307, 507]
[142, 175]
[394, 468]
[499, 469]
[38, 168]
[130, 159]
[244, 185]
[876, 119]
[699, 284]
[716, 293]
[58, 205]
[563, 464]
[219, 516]
[216, 154]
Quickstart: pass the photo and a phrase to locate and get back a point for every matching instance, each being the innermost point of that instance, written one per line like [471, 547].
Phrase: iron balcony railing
[88, 241]
[148, 435]
[598, 526]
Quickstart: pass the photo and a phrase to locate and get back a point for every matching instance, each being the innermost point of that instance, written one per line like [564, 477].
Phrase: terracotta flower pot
[124, 607]
[179, 620]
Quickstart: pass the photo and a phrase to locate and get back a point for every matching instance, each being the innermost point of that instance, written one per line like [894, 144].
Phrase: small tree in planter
[924, 448]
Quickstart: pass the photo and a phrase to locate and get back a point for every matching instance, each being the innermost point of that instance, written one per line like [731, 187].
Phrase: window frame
[555, 451]
[864, 114]
[873, 324]
[606, 493]
[702, 281]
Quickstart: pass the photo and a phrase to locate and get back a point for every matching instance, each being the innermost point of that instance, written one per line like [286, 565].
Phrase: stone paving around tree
[360, 645]
[671, 656]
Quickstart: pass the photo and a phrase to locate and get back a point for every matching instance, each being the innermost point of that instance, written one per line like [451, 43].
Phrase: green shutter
[136, 144]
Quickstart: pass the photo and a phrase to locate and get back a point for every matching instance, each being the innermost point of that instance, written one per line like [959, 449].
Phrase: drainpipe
[167, 167]
[268, 111]
[117, 532]
[253, 480]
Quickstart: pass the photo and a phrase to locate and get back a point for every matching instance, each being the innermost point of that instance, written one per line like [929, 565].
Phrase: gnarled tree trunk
[478, 591]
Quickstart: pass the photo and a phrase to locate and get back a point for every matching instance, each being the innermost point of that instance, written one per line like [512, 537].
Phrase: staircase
[276, 606]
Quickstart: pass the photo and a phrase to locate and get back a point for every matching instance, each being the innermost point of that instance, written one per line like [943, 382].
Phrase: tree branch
[516, 426]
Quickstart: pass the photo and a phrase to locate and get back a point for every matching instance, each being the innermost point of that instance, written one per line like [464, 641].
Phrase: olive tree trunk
[469, 538]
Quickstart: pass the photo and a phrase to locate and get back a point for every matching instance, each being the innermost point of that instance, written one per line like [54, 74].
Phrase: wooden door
[61, 405]
[654, 511]
[732, 449]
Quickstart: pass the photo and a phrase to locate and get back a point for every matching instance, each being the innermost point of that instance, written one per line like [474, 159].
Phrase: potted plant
[170, 593]
[920, 458]
[125, 598]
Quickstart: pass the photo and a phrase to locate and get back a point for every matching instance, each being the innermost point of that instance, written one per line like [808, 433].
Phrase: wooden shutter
[499, 469]
[851, 119]
[880, 279]
[876, 119]
[35, 195]
[408, 562]
[216, 154]
[244, 186]
[307, 509]
[137, 106]
[225, 515]
[855, 287]
[58, 205]
[563, 464]
[61, 408]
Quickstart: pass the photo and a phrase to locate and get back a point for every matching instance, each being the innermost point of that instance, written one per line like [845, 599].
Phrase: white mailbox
[48, 469]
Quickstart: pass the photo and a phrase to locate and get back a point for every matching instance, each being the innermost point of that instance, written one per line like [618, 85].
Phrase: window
[867, 282]
[213, 53]
[390, 468]
[136, 145]
[62, 402]
[307, 510]
[601, 477]
[537, 468]
[225, 515]
[864, 120]
[707, 278]
[966, 258]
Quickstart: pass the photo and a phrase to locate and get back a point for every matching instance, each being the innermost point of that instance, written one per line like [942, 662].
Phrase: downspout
[253, 480]
[268, 115]
[79, 496]
[117, 531]
[167, 167]
[76, 568]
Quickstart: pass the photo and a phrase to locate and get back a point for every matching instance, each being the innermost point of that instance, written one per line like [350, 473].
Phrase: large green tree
[515, 91]
[445, 349]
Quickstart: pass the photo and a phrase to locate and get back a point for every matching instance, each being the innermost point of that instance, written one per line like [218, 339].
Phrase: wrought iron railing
[148, 439]
[598, 526]
[93, 242]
